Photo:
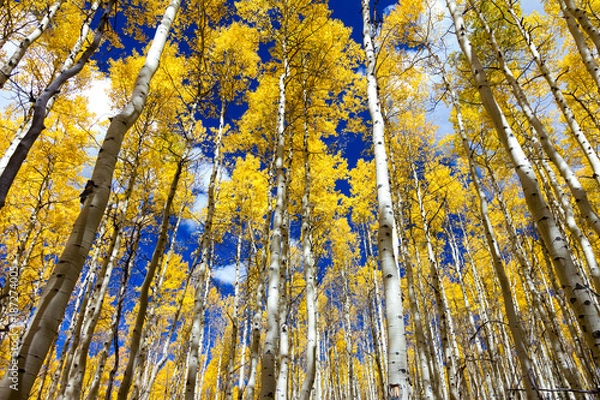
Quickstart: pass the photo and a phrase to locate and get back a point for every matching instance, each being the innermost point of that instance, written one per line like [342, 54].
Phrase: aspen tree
[580, 41]
[157, 255]
[49, 313]
[125, 274]
[398, 380]
[230, 381]
[581, 301]
[309, 269]
[446, 328]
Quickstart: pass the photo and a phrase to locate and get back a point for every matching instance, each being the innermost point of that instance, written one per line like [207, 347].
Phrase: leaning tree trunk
[75, 371]
[50, 311]
[580, 14]
[514, 323]
[581, 300]
[161, 245]
[398, 376]
[580, 42]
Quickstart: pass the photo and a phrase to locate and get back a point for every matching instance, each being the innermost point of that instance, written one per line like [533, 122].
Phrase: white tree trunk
[309, 271]
[580, 42]
[580, 14]
[398, 376]
[230, 382]
[575, 187]
[136, 340]
[270, 351]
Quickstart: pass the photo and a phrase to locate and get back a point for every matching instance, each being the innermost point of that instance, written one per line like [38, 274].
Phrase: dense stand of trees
[269, 212]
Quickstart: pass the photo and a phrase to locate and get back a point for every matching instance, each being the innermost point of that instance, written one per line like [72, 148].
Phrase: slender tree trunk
[75, 371]
[26, 245]
[125, 272]
[230, 381]
[578, 134]
[74, 332]
[580, 14]
[159, 250]
[242, 374]
[446, 332]
[257, 305]
[270, 351]
[309, 270]
[102, 358]
[398, 377]
[514, 322]
[421, 342]
[164, 355]
[580, 42]
[575, 187]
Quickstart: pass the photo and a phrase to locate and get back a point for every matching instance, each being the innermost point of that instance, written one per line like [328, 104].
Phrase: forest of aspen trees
[264, 202]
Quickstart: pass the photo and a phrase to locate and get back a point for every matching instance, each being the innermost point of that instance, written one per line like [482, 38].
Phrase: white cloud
[98, 101]
[226, 274]
[202, 169]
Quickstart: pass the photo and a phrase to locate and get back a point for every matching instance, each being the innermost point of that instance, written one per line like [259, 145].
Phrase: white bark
[269, 372]
[584, 51]
[514, 322]
[398, 376]
[51, 308]
[136, 340]
[582, 302]
[446, 331]
[230, 382]
[15, 155]
[309, 271]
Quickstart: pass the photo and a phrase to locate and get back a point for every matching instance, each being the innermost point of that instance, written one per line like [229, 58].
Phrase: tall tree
[398, 378]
